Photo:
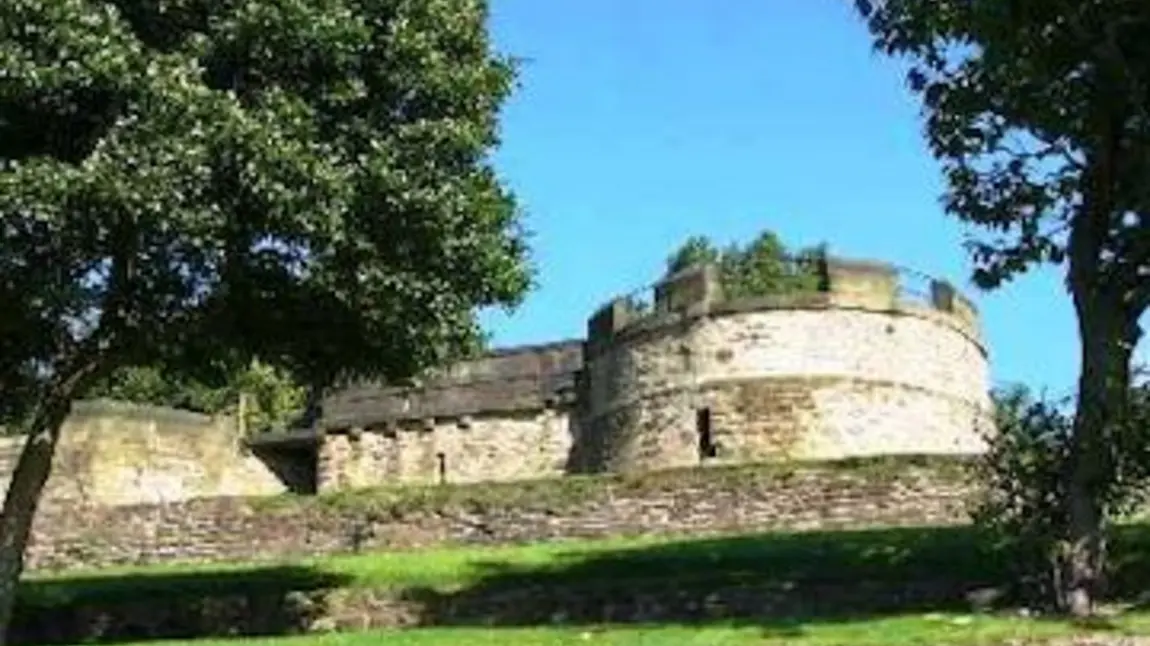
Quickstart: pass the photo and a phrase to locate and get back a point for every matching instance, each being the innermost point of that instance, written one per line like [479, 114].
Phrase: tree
[274, 398]
[762, 266]
[196, 183]
[152, 385]
[1039, 113]
[695, 250]
[1024, 503]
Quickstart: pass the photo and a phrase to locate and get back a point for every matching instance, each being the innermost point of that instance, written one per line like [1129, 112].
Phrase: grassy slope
[889, 555]
[898, 554]
[932, 630]
[892, 555]
[839, 558]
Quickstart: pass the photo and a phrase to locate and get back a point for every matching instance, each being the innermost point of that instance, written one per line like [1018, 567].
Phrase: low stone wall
[886, 492]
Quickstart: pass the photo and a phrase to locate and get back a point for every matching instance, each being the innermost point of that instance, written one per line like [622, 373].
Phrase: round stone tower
[859, 368]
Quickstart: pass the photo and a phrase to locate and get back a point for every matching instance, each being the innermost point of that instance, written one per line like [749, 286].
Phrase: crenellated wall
[855, 370]
[506, 416]
[861, 367]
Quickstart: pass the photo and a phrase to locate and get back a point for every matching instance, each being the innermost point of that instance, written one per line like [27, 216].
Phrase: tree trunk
[1103, 389]
[27, 483]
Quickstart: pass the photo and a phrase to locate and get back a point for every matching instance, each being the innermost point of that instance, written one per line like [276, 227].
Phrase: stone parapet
[506, 381]
[870, 285]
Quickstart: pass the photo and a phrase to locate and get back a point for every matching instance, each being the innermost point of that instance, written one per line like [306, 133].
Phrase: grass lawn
[888, 554]
[604, 571]
[927, 630]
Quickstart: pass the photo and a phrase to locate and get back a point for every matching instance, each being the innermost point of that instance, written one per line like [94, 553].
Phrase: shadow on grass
[779, 582]
[110, 609]
[777, 579]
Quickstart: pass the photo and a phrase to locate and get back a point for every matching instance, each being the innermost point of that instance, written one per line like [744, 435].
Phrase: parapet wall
[860, 368]
[511, 380]
[505, 416]
[848, 284]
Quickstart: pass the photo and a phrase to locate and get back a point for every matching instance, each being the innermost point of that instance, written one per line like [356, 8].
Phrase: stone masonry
[858, 369]
[115, 453]
[893, 492]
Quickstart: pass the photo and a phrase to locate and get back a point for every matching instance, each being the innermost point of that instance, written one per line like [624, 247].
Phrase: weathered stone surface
[508, 381]
[504, 446]
[853, 371]
[704, 501]
[788, 383]
[113, 453]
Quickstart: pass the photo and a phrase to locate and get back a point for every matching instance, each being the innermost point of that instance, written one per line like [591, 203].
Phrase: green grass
[923, 630]
[801, 562]
[890, 555]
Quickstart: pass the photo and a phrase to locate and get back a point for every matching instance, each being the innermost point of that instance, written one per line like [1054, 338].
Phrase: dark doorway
[707, 448]
[292, 456]
[441, 458]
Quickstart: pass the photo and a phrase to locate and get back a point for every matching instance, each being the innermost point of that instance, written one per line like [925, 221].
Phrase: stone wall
[696, 501]
[112, 453]
[512, 445]
[860, 368]
[505, 416]
[510, 380]
[854, 371]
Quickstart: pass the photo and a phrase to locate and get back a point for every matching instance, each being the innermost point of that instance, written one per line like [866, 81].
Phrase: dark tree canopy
[191, 184]
[1039, 111]
[303, 181]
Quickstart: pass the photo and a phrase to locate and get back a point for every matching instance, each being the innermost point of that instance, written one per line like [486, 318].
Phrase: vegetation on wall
[198, 183]
[1039, 111]
[760, 267]
[272, 398]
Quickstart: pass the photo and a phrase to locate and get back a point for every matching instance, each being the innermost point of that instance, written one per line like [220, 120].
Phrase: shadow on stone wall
[295, 467]
[120, 453]
[113, 609]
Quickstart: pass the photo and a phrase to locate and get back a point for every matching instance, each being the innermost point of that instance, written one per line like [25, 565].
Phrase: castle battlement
[878, 360]
[505, 381]
[845, 284]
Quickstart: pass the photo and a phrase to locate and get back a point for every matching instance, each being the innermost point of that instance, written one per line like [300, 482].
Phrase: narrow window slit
[707, 448]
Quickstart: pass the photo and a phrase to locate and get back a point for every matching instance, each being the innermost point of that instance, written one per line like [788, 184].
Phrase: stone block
[857, 283]
[691, 289]
[610, 319]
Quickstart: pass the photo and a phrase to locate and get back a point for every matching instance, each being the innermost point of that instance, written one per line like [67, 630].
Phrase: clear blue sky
[641, 122]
